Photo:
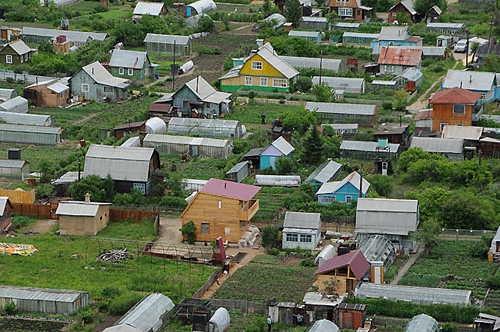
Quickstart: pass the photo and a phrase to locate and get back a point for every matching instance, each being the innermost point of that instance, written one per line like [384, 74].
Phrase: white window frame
[85, 87]
[292, 237]
[130, 72]
[8, 58]
[263, 81]
[121, 71]
[345, 12]
[280, 83]
[248, 80]
[348, 199]
[257, 65]
[305, 238]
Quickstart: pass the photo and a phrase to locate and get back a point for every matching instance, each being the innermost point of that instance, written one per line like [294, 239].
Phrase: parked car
[460, 46]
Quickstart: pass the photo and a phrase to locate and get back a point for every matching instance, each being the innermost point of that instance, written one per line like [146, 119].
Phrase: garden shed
[30, 134]
[321, 306]
[220, 320]
[301, 229]
[238, 172]
[422, 323]
[325, 172]
[352, 316]
[129, 128]
[168, 44]
[277, 180]
[297, 62]
[324, 325]
[253, 156]
[346, 84]
[156, 125]
[44, 300]
[16, 105]
[26, 119]
[279, 148]
[417, 295]
[200, 7]
[82, 218]
[193, 146]
[205, 127]
[14, 169]
[61, 185]
[362, 114]
[148, 315]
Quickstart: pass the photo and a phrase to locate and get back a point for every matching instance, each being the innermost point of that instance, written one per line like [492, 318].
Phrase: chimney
[225, 185]
[197, 82]
[87, 198]
[92, 70]
[470, 78]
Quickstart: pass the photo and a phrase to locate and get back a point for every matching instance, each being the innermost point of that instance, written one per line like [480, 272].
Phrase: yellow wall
[267, 69]
[79, 225]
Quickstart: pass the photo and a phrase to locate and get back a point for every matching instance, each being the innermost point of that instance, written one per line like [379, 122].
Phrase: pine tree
[313, 144]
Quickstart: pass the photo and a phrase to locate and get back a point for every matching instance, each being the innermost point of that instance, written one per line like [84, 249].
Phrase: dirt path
[406, 266]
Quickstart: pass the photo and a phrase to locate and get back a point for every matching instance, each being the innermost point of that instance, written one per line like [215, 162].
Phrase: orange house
[350, 9]
[453, 106]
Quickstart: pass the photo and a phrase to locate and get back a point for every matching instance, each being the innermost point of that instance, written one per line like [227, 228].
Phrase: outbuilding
[325, 172]
[205, 127]
[129, 128]
[301, 229]
[168, 44]
[238, 172]
[14, 169]
[82, 218]
[30, 134]
[262, 180]
[193, 146]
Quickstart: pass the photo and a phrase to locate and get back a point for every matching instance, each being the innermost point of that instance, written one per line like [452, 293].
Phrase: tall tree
[313, 147]
[293, 12]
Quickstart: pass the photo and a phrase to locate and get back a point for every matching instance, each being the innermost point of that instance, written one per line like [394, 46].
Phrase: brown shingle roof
[455, 96]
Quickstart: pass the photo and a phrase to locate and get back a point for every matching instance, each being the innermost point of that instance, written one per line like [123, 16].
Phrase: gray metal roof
[167, 39]
[121, 163]
[203, 123]
[324, 325]
[77, 208]
[12, 163]
[102, 76]
[389, 205]
[465, 132]
[412, 74]
[40, 294]
[20, 47]
[237, 167]
[444, 25]
[26, 119]
[128, 59]
[469, 80]
[171, 139]
[324, 172]
[17, 104]
[438, 145]
[71, 36]
[341, 108]
[393, 33]
[203, 6]
[366, 146]
[66, 178]
[300, 33]
[148, 8]
[347, 84]
[282, 145]
[301, 62]
[277, 180]
[58, 87]
[302, 220]
[422, 323]
[361, 35]
[420, 295]
[29, 129]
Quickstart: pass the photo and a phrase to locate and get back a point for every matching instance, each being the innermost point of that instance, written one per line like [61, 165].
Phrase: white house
[301, 229]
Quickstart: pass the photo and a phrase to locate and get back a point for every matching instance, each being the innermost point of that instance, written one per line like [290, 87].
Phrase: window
[256, 65]
[220, 204]
[345, 11]
[85, 88]
[121, 71]
[280, 82]
[348, 199]
[326, 199]
[306, 238]
[207, 105]
[458, 109]
[263, 81]
[205, 228]
[291, 237]
[130, 72]
[8, 58]
[248, 80]
[21, 59]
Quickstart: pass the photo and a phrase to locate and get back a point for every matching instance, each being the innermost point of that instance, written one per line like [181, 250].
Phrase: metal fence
[464, 234]
[6, 75]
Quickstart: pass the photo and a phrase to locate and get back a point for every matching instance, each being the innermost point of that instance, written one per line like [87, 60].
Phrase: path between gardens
[406, 266]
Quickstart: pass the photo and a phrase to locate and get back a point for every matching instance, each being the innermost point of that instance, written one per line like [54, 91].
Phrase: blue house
[278, 148]
[395, 36]
[343, 191]
[324, 173]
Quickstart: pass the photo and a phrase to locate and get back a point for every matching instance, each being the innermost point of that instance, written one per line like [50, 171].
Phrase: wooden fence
[34, 210]
[19, 196]
[136, 215]
[206, 286]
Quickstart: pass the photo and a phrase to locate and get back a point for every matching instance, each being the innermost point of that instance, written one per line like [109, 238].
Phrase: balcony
[251, 209]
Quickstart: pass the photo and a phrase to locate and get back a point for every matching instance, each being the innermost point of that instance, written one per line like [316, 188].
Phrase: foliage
[294, 46]
[400, 100]
[269, 237]
[205, 24]
[322, 92]
[123, 303]
[382, 184]
[100, 190]
[493, 282]
[313, 148]
[45, 191]
[428, 233]
[293, 12]
[304, 84]
[449, 327]
[86, 316]
[297, 120]
[422, 6]
[22, 221]
[189, 230]
[10, 308]
[134, 198]
[284, 165]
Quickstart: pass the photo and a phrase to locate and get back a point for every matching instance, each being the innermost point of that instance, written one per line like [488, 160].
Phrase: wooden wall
[19, 196]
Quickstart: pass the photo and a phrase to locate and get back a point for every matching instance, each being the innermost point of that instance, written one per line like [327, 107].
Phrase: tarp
[220, 320]
[17, 249]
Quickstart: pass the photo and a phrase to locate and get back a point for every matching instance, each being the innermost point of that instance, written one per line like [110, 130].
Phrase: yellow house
[82, 218]
[263, 70]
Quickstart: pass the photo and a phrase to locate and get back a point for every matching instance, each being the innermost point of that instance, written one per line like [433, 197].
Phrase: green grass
[251, 112]
[61, 116]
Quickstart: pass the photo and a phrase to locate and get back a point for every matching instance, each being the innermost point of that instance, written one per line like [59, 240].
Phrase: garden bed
[24, 324]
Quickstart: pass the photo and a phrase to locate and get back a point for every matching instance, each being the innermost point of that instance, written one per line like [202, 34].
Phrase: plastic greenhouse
[205, 127]
[324, 325]
[219, 321]
[378, 248]
[422, 323]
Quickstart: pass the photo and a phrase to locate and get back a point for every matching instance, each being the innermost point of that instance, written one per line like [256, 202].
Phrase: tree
[269, 237]
[189, 230]
[299, 121]
[400, 98]
[205, 24]
[100, 190]
[383, 185]
[313, 147]
[294, 46]
[304, 84]
[323, 93]
[293, 12]
[428, 233]
[283, 165]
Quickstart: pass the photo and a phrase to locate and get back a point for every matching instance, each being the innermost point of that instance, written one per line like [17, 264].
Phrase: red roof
[423, 115]
[400, 56]
[230, 189]
[355, 259]
[455, 96]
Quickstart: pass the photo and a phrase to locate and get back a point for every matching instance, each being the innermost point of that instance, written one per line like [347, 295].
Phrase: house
[454, 106]
[238, 172]
[346, 84]
[314, 37]
[394, 133]
[279, 148]
[325, 172]
[483, 83]
[396, 219]
[168, 44]
[352, 10]
[359, 38]
[129, 167]
[262, 180]
[396, 36]
[30, 134]
[422, 323]
[362, 114]
[82, 218]
[334, 65]
[205, 127]
[393, 61]
[189, 146]
[222, 208]
[368, 150]
[94, 82]
[321, 307]
[453, 29]
[5, 214]
[451, 148]
[349, 189]
[341, 274]
[128, 128]
[76, 39]
[149, 8]
[132, 65]
[197, 98]
[262, 70]
[200, 7]
[15, 53]
[49, 93]
[301, 229]
[403, 9]
[14, 169]
[433, 14]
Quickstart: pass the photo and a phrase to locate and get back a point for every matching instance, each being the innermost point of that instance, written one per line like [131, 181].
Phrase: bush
[123, 303]
[493, 282]
[308, 262]
[438, 69]
[110, 292]
[10, 308]
[21, 221]
[387, 105]
[86, 316]
[189, 230]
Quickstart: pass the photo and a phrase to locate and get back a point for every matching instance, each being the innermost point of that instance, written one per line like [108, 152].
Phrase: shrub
[110, 292]
[189, 229]
[308, 262]
[86, 316]
[438, 69]
[10, 308]
[123, 303]
[387, 105]
[493, 282]
[21, 221]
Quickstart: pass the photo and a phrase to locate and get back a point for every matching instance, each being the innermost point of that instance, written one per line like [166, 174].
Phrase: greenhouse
[220, 320]
[193, 146]
[205, 127]
[297, 62]
[277, 180]
[328, 252]
[422, 323]
[378, 248]
[324, 325]
[156, 126]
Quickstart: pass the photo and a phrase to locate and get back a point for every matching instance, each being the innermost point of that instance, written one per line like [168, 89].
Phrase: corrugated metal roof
[128, 59]
[203, 6]
[444, 25]
[393, 33]
[386, 216]
[465, 132]
[422, 323]
[121, 163]
[170, 139]
[299, 33]
[17, 104]
[267, 53]
[102, 76]
[421, 295]
[438, 145]
[342, 108]
[68, 177]
[366, 146]
[372, 36]
[399, 56]
[167, 39]
[341, 83]
[71, 36]
[40, 294]
[412, 74]
[301, 62]
[148, 8]
[455, 95]
[469, 80]
[324, 325]
[277, 180]
[58, 87]
[236, 168]
[26, 119]
[355, 259]
[12, 163]
[30, 129]
[20, 47]
[354, 179]
[230, 189]
[282, 145]
[77, 208]
[324, 172]
[302, 220]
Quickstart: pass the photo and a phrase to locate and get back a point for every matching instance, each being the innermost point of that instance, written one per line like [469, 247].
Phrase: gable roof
[266, 51]
[302, 220]
[167, 39]
[204, 91]
[400, 56]
[455, 96]
[282, 145]
[355, 259]
[393, 33]
[469, 80]
[324, 172]
[438, 145]
[230, 189]
[79, 208]
[341, 108]
[465, 132]
[20, 47]
[102, 76]
[148, 8]
[436, 9]
[3, 203]
[408, 4]
[354, 179]
[129, 59]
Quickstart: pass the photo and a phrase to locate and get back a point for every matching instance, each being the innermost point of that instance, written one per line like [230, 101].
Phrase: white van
[460, 46]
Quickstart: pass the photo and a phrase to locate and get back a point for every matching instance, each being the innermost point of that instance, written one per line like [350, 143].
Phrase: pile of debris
[115, 255]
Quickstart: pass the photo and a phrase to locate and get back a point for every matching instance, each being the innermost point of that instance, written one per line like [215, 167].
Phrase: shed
[417, 295]
[325, 172]
[193, 146]
[220, 320]
[82, 218]
[193, 185]
[14, 169]
[168, 44]
[61, 185]
[30, 134]
[44, 300]
[352, 316]
[238, 172]
[148, 315]
[346, 84]
[50, 93]
[301, 229]
[156, 125]
[253, 156]
[277, 180]
[298, 62]
[422, 323]
[200, 7]
[16, 105]
[129, 128]
[362, 114]
[321, 306]
[325, 254]
[451, 148]
[205, 127]
[314, 37]
[324, 325]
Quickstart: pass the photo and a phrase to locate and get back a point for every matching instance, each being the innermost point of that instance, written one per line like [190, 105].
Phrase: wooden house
[402, 9]
[325, 172]
[279, 148]
[94, 82]
[489, 147]
[168, 44]
[341, 274]
[15, 53]
[351, 10]
[262, 70]
[301, 229]
[128, 128]
[396, 36]
[455, 106]
[394, 133]
[395, 60]
[351, 188]
[48, 93]
[132, 65]
[5, 214]
[222, 208]
[82, 218]
[433, 14]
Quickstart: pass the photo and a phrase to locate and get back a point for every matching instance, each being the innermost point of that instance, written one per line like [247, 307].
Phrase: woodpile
[115, 255]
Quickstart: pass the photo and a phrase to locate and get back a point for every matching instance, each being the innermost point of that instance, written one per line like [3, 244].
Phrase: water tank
[14, 154]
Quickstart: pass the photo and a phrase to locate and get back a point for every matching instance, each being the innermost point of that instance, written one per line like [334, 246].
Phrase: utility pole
[173, 71]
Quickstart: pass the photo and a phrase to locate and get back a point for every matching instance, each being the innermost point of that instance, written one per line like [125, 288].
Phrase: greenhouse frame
[205, 127]
[378, 248]
[193, 146]
[422, 323]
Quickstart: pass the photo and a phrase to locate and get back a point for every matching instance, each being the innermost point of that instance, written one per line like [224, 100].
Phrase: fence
[136, 215]
[19, 196]
[206, 286]
[34, 210]
[464, 234]
[26, 78]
